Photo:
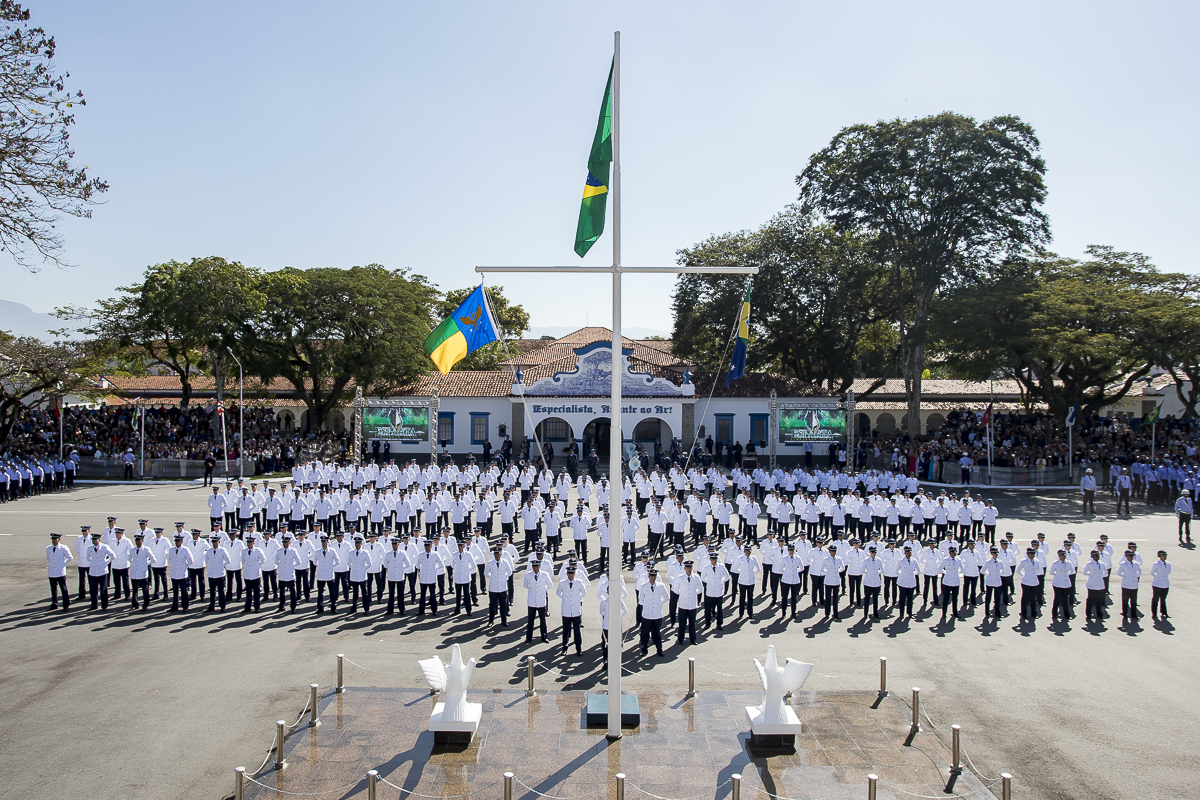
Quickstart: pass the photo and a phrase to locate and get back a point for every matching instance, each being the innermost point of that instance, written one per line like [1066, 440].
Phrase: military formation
[701, 547]
[30, 477]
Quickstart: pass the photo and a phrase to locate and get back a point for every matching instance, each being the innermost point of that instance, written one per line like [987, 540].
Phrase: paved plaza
[684, 747]
[152, 705]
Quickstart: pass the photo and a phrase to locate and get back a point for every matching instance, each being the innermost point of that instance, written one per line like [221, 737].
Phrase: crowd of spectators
[1031, 441]
[188, 433]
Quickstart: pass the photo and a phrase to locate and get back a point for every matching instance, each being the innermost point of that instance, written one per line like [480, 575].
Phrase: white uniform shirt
[181, 560]
[287, 561]
[1160, 572]
[572, 594]
[690, 589]
[653, 599]
[216, 561]
[58, 556]
[327, 561]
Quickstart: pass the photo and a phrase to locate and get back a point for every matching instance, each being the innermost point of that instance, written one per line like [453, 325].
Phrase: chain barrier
[527, 787]
[270, 752]
[705, 793]
[551, 670]
[843, 793]
[377, 672]
[302, 794]
[726, 674]
[404, 791]
[851, 675]
[296, 724]
[925, 714]
[987, 781]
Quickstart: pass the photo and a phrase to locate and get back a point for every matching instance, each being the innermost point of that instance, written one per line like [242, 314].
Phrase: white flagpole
[614, 437]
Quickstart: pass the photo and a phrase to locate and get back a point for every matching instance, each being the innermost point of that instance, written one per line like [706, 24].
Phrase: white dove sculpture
[776, 682]
[452, 681]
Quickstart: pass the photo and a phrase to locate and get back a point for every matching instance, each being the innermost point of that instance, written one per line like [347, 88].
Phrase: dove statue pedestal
[773, 737]
[460, 732]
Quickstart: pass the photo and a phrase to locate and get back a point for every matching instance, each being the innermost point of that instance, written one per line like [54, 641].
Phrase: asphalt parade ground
[152, 705]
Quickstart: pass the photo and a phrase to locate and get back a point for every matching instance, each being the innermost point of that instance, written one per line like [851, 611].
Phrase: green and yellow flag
[595, 189]
[469, 328]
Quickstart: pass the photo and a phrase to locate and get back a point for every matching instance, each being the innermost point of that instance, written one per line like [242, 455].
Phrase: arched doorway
[650, 430]
[555, 430]
[864, 425]
[885, 423]
[934, 422]
[596, 436]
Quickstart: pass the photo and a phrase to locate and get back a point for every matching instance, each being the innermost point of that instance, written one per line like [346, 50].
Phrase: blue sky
[439, 136]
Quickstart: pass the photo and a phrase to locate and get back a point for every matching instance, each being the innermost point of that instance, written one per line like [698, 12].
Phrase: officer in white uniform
[180, 560]
[538, 584]
[689, 589]
[99, 556]
[290, 563]
[572, 591]
[653, 599]
[58, 556]
[326, 560]
[141, 560]
[496, 573]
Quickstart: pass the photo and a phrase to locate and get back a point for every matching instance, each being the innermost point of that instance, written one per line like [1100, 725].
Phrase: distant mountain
[21, 320]
[562, 330]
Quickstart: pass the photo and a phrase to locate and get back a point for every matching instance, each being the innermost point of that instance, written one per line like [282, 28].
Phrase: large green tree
[181, 316]
[512, 320]
[32, 371]
[38, 181]
[942, 198]
[1068, 331]
[817, 301]
[326, 327]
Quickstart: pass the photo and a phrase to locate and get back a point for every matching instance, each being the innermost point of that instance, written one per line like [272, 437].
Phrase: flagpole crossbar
[626, 270]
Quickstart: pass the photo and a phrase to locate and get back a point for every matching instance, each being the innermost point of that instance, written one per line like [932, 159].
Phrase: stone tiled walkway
[684, 748]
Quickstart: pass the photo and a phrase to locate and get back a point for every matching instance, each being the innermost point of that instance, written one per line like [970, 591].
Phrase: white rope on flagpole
[712, 390]
[500, 337]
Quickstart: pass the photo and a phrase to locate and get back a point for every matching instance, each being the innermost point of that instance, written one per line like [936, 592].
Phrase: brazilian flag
[595, 189]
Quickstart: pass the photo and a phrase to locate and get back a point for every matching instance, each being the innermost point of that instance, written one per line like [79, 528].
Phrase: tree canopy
[325, 327]
[941, 198]
[32, 370]
[816, 303]
[38, 181]
[181, 316]
[1068, 331]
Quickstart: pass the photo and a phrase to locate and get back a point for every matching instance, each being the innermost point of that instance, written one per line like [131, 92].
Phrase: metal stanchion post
[372, 778]
[736, 790]
[529, 688]
[955, 750]
[340, 684]
[691, 677]
[872, 787]
[239, 775]
[883, 692]
[916, 705]
[280, 729]
[508, 776]
[1005, 786]
[314, 719]
[620, 786]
